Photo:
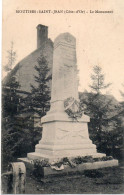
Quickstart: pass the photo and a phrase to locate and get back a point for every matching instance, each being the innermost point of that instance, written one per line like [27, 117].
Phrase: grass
[104, 181]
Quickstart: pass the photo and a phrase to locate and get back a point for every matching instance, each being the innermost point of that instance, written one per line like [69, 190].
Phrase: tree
[11, 58]
[37, 103]
[10, 107]
[40, 94]
[97, 104]
[19, 135]
[10, 97]
[16, 127]
[98, 83]
[32, 132]
[102, 109]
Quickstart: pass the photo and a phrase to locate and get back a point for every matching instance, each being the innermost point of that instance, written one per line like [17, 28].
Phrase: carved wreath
[72, 108]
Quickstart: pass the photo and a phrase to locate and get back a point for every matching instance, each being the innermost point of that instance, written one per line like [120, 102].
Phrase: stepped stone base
[63, 137]
[34, 155]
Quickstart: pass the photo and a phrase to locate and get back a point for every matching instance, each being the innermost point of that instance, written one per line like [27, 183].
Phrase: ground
[104, 181]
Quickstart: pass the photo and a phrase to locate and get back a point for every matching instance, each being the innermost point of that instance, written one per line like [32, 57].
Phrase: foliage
[19, 136]
[29, 118]
[98, 105]
[16, 137]
[102, 111]
[10, 98]
[105, 127]
[72, 162]
[38, 101]
[98, 80]
[11, 58]
[42, 163]
[40, 94]
[10, 106]
[105, 124]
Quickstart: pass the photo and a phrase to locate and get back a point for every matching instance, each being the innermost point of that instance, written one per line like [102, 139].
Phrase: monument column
[64, 82]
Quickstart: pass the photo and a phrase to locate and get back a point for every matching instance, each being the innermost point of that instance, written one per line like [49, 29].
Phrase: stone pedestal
[64, 137]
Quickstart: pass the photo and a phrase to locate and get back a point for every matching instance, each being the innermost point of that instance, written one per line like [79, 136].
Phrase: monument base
[38, 156]
[64, 137]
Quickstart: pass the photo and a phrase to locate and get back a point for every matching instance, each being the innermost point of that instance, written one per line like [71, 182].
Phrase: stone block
[48, 171]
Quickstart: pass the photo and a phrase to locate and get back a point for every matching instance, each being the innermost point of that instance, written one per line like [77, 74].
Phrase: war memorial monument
[62, 135]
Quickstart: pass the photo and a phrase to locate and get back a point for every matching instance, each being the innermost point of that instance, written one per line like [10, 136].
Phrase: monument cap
[65, 38]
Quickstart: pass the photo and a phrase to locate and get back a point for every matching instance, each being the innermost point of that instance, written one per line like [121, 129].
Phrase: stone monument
[62, 136]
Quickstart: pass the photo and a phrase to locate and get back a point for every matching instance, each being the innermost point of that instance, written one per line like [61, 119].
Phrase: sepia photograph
[62, 97]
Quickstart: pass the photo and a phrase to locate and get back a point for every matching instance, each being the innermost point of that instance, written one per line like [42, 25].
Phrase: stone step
[40, 154]
[48, 171]
[66, 146]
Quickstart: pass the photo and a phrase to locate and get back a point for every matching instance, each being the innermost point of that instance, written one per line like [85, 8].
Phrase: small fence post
[16, 180]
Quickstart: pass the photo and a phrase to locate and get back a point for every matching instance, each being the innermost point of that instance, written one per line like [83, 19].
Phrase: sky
[99, 37]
